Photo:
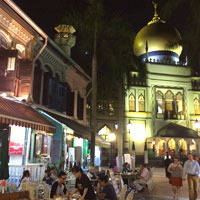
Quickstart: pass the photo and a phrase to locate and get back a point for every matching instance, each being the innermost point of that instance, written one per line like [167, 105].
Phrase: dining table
[131, 176]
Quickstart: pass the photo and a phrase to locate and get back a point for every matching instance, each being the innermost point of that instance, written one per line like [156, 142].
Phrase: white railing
[36, 171]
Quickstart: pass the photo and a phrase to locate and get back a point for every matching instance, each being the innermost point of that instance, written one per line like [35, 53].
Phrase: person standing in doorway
[175, 169]
[192, 170]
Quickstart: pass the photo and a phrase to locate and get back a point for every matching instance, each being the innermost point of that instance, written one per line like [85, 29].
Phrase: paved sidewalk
[162, 189]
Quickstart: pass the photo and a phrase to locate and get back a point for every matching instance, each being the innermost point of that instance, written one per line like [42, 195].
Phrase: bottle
[3, 183]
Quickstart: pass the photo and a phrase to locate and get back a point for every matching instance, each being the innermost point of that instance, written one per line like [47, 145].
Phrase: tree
[189, 21]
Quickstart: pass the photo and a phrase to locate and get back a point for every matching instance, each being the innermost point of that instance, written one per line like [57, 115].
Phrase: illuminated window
[104, 131]
[196, 106]
[132, 103]
[11, 63]
[141, 103]
[169, 97]
[160, 102]
[179, 100]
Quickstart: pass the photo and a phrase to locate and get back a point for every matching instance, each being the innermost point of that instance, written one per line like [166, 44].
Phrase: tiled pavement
[162, 188]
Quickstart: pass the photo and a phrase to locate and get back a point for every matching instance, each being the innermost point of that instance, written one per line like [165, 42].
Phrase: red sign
[16, 140]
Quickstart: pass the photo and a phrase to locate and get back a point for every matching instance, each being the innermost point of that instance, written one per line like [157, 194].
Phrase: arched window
[196, 106]
[104, 131]
[179, 100]
[160, 102]
[169, 97]
[141, 103]
[132, 103]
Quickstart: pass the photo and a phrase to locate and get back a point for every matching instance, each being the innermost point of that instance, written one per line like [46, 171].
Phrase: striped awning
[18, 113]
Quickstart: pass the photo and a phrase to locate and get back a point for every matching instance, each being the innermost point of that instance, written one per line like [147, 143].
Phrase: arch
[160, 102]
[196, 106]
[21, 49]
[104, 131]
[179, 102]
[6, 39]
[132, 102]
[162, 147]
[182, 147]
[141, 103]
[193, 146]
[172, 145]
[169, 98]
[47, 67]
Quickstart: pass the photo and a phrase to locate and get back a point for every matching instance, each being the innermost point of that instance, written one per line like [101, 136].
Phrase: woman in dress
[176, 170]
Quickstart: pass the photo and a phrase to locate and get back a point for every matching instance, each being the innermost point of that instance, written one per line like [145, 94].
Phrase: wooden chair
[130, 196]
[123, 193]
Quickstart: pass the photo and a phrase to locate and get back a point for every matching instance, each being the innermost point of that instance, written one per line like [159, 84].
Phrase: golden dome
[157, 36]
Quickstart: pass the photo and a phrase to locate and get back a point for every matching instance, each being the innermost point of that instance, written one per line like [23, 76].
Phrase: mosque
[163, 111]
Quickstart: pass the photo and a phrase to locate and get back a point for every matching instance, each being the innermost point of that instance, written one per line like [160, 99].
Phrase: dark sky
[48, 13]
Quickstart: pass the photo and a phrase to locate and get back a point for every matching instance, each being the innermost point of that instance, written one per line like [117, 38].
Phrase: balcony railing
[36, 171]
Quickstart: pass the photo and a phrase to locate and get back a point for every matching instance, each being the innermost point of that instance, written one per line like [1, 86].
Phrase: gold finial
[155, 4]
[156, 18]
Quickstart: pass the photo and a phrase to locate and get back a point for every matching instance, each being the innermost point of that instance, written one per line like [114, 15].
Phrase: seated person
[83, 185]
[47, 178]
[53, 173]
[25, 178]
[144, 177]
[58, 188]
[92, 176]
[105, 189]
[126, 169]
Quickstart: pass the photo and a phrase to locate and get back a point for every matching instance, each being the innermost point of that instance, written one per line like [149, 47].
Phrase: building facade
[163, 109]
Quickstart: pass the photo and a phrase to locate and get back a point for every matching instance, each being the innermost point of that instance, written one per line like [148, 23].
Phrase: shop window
[11, 63]
[169, 97]
[159, 102]
[179, 100]
[196, 106]
[43, 145]
[141, 103]
[132, 103]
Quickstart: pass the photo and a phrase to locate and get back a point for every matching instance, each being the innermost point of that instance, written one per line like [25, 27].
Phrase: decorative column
[75, 103]
[41, 87]
[197, 148]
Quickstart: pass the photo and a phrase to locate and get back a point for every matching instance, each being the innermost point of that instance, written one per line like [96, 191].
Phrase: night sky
[49, 13]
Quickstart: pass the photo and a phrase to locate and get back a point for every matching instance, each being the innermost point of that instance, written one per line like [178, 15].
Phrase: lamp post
[111, 138]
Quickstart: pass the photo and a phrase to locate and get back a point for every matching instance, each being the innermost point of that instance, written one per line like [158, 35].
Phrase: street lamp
[111, 138]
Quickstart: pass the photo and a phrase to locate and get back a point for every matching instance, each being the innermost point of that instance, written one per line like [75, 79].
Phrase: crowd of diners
[88, 186]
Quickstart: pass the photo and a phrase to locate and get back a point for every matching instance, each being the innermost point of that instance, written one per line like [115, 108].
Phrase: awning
[177, 131]
[79, 129]
[20, 114]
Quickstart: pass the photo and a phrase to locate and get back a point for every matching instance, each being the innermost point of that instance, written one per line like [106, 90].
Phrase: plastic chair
[123, 193]
[130, 196]
[12, 186]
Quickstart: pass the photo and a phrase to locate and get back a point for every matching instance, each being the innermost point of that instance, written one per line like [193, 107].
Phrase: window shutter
[8, 77]
[25, 76]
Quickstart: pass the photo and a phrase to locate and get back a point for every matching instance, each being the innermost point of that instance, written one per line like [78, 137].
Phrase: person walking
[192, 170]
[176, 170]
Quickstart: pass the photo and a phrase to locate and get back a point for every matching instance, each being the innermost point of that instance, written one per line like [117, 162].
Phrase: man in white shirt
[192, 170]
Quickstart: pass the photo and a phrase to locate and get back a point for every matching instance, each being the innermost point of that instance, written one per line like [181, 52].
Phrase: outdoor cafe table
[131, 176]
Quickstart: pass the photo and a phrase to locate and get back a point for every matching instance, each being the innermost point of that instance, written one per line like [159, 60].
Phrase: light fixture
[111, 137]
[116, 126]
[196, 124]
[69, 137]
[129, 125]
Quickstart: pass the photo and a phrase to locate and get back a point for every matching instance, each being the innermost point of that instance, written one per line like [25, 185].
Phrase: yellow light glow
[137, 132]
[69, 137]
[111, 137]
